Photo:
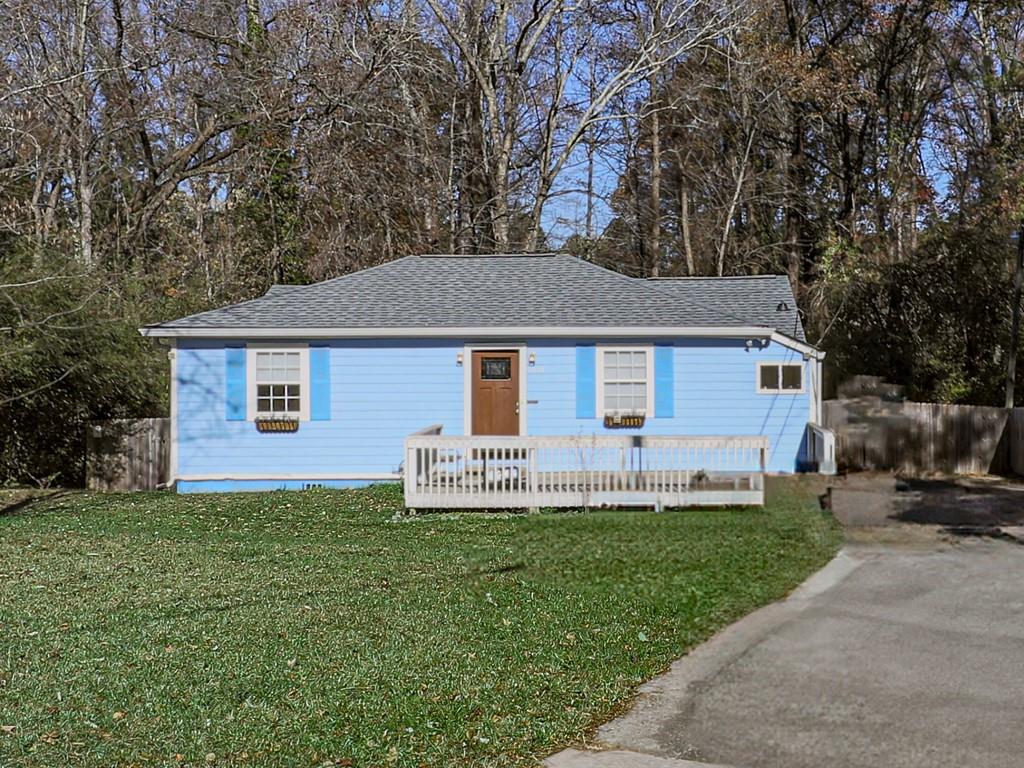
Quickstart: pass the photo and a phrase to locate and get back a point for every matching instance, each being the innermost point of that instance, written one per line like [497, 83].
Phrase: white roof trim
[485, 332]
[454, 332]
[799, 346]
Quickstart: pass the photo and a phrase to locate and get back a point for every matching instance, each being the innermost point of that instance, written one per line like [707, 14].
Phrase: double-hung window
[780, 378]
[278, 383]
[625, 381]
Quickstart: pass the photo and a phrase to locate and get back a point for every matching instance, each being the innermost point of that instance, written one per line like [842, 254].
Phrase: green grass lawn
[313, 629]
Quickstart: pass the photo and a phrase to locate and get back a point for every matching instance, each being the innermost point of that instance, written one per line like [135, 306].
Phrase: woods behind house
[158, 158]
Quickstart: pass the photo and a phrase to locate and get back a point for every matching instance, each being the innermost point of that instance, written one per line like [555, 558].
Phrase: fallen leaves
[457, 663]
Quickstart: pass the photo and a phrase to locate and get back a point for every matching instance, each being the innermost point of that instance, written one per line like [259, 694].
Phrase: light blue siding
[715, 394]
[222, 486]
[380, 391]
[234, 375]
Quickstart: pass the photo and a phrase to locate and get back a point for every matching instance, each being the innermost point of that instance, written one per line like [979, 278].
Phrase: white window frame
[599, 376]
[780, 391]
[250, 380]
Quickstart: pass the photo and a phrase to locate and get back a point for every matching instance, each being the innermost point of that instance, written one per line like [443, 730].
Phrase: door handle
[517, 407]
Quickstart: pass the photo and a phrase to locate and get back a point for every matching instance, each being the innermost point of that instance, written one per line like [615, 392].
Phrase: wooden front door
[495, 393]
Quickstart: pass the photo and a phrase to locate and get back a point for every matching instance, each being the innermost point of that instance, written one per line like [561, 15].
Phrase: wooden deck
[480, 472]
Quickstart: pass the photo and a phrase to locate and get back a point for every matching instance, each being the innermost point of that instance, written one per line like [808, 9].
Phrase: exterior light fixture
[532, 359]
[458, 359]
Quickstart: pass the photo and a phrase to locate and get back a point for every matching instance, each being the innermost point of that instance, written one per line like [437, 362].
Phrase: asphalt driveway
[904, 654]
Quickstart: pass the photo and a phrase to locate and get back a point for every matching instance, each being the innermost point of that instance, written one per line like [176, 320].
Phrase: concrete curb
[660, 699]
[617, 758]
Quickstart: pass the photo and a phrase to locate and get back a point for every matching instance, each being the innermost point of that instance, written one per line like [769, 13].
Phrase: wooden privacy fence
[475, 471]
[127, 454]
[925, 438]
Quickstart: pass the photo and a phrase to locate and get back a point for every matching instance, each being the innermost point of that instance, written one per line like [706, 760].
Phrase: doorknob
[517, 407]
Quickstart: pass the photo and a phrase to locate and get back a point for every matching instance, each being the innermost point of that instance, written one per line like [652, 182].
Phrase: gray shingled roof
[498, 292]
[757, 298]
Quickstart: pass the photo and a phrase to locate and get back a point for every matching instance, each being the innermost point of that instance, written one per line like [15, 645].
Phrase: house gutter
[485, 333]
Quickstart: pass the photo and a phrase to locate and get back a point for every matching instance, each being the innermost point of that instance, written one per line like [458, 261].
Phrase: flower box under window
[277, 425]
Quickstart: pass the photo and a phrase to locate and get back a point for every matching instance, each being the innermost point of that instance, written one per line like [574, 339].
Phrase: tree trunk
[795, 210]
[591, 151]
[83, 182]
[655, 244]
[684, 226]
[1018, 284]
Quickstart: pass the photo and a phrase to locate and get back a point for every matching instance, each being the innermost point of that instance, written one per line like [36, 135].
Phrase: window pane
[263, 404]
[610, 397]
[640, 397]
[495, 368]
[791, 376]
[611, 368]
[769, 377]
[262, 367]
[293, 404]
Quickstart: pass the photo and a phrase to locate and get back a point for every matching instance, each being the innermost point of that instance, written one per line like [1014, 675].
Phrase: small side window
[778, 378]
[792, 377]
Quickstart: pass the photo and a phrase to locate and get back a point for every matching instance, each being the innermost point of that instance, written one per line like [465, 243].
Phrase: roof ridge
[775, 277]
[727, 313]
[772, 275]
[549, 289]
[261, 297]
[523, 255]
[363, 271]
[642, 282]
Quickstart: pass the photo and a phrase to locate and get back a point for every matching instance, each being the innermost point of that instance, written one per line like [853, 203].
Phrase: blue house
[322, 385]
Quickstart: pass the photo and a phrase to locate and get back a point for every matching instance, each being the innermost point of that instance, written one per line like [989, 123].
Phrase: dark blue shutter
[320, 383]
[664, 382]
[234, 383]
[586, 381]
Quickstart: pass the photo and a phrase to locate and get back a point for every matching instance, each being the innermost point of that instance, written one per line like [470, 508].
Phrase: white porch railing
[821, 448]
[442, 471]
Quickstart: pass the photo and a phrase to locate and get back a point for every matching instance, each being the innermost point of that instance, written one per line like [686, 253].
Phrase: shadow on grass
[15, 502]
[961, 504]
